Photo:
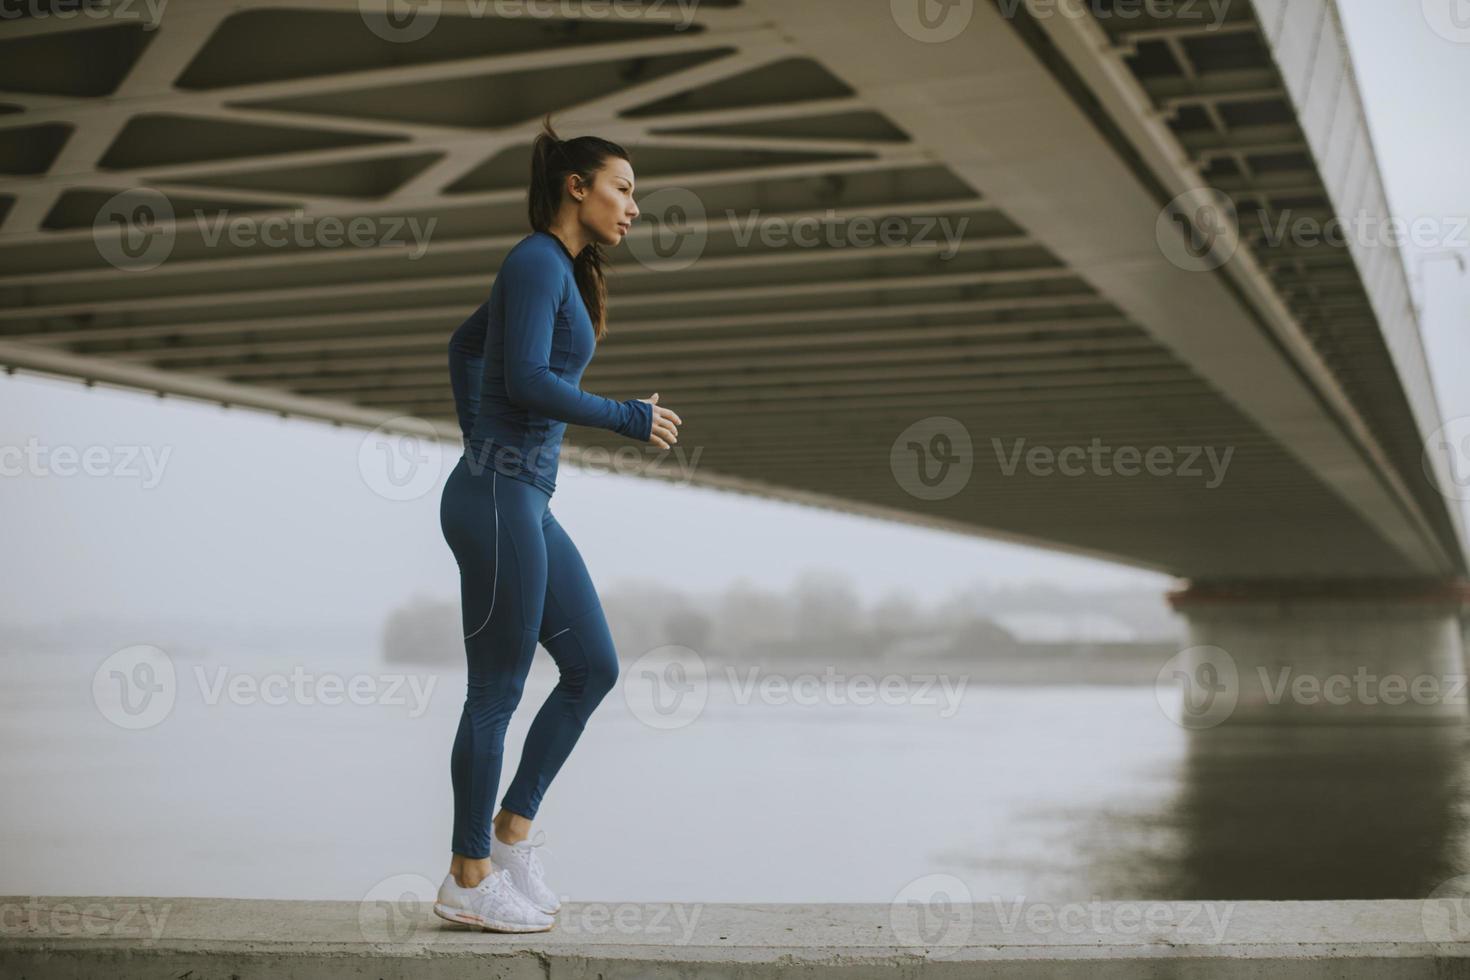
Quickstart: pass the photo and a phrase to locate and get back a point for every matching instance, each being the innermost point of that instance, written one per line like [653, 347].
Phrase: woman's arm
[466, 367]
[532, 289]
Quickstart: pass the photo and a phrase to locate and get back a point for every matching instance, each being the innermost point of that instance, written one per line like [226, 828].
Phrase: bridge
[1062, 273]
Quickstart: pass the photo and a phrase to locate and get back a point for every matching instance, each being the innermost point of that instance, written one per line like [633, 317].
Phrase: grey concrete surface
[238, 939]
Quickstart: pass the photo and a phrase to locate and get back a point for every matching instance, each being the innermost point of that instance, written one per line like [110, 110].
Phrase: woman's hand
[665, 424]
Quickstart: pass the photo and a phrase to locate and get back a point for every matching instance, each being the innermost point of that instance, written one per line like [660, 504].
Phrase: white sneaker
[521, 860]
[494, 905]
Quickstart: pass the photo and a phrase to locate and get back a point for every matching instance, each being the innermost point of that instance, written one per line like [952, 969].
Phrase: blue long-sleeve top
[516, 365]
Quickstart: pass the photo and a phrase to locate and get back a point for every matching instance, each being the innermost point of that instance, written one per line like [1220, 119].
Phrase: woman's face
[607, 209]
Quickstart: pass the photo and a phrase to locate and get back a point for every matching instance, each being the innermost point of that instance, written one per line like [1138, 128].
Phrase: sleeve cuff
[641, 424]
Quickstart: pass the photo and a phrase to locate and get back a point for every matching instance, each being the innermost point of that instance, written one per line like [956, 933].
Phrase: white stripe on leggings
[495, 583]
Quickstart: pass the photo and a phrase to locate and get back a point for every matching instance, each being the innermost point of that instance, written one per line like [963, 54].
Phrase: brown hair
[552, 159]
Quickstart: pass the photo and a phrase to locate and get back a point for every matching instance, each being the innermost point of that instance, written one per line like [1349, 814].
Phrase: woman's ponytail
[552, 159]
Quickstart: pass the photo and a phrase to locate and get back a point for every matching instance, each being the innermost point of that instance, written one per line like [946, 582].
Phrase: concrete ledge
[237, 939]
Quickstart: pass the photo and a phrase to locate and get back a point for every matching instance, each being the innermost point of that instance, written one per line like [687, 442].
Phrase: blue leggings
[521, 580]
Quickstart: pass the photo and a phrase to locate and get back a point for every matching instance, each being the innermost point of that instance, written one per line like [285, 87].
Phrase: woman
[515, 367]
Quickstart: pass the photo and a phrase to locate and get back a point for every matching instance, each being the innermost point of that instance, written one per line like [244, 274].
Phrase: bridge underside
[1054, 319]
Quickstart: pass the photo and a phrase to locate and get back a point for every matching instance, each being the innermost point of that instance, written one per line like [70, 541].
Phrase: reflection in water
[1296, 812]
[1330, 812]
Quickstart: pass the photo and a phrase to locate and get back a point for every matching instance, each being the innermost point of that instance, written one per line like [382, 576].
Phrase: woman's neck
[572, 238]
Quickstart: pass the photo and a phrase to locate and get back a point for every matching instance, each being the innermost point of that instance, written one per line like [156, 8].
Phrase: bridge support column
[1283, 653]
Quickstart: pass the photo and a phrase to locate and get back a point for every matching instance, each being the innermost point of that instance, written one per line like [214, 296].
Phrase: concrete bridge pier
[1327, 652]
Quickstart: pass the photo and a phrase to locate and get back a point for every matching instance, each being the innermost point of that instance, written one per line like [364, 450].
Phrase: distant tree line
[820, 616]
